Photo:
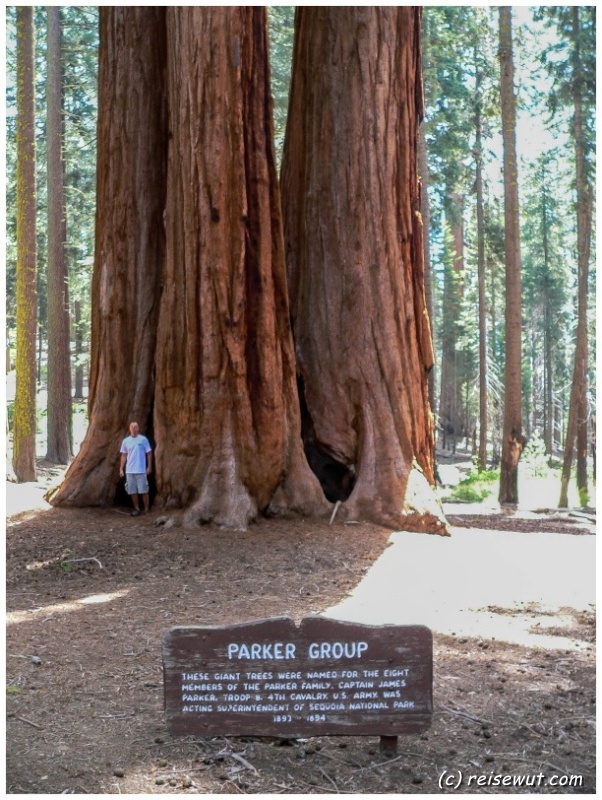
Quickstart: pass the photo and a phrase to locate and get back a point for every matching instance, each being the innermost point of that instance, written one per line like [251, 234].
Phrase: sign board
[272, 678]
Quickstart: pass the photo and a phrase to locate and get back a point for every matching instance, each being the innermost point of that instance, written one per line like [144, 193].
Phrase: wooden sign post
[325, 677]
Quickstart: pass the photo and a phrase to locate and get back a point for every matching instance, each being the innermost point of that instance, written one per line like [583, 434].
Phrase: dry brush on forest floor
[87, 716]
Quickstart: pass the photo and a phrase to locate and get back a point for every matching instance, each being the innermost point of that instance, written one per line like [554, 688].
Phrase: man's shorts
[137, 482]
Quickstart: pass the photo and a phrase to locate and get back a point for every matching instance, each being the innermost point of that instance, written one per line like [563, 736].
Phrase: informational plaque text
[323, 677]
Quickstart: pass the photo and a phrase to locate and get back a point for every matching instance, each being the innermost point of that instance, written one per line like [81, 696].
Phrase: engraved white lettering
[259, 651]
[337, 649]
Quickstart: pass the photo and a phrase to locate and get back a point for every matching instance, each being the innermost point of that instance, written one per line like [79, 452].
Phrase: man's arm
[149, 462]
[122, 461]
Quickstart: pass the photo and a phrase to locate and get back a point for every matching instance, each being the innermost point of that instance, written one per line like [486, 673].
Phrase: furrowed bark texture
[355, 255]
[129, 247]
[425, 212]
[24, 434]
[226, 411]
[513, 440]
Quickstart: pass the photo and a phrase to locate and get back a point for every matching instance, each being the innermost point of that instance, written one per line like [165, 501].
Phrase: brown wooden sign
[272, 678]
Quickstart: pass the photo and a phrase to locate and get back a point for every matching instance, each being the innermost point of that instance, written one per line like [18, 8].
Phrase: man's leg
[145, 501]
[133, 492]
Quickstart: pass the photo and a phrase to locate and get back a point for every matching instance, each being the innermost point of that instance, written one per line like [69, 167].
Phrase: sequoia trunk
[226, 411]
[129, 246]
[190, 329]
[355, 257]
[425, 212]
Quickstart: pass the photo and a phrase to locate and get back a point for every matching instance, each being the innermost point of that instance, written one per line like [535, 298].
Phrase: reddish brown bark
[513, 440]
[191, 332]
[129, 247]
[425, 212]
[24, 431]
[355, 255]
[226, 411]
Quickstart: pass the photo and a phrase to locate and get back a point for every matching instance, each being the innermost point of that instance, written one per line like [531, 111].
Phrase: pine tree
[25, 399]
[513, 440]
[546, 283]
[59, 446]
[575, 89]
[457, 44]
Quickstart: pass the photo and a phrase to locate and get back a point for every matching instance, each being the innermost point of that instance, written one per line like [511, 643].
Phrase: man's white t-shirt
[136, 448]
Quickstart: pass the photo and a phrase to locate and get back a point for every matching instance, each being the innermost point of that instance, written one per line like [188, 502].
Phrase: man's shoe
[135, 513]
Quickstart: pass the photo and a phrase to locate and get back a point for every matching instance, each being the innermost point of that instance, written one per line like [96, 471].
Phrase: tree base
[421, 510]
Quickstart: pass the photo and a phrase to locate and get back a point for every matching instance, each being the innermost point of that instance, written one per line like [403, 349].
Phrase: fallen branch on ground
[467, 716]
[76, 560]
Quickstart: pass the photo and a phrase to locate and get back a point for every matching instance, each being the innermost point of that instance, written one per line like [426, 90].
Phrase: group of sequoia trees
[246, 332]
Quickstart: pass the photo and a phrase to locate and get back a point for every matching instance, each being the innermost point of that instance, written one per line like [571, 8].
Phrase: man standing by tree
[136, 461]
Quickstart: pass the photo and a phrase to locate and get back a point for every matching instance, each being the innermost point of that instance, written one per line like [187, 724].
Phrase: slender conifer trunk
[513, 440]
[59, 446]
[577, 426]
[24, 431]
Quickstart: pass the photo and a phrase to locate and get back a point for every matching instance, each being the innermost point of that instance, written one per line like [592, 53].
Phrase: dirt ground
[91, 592]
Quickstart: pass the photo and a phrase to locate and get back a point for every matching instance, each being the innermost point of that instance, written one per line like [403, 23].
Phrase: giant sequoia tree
[191, 330]
[191, 333]
[129, 246]
[355, 257]
[226, 411]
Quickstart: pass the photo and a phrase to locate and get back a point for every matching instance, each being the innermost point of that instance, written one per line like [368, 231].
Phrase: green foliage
[570, 60]
[549, 284]
[13, 690]
[281, 20]
[79, 56]
[10, 413]
[583, 497]
[476, 487]
[534, 460]
[486, 476]
[457, 42]
[460, 73]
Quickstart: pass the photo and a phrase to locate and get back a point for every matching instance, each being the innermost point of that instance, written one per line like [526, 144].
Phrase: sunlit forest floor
[509, 597]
